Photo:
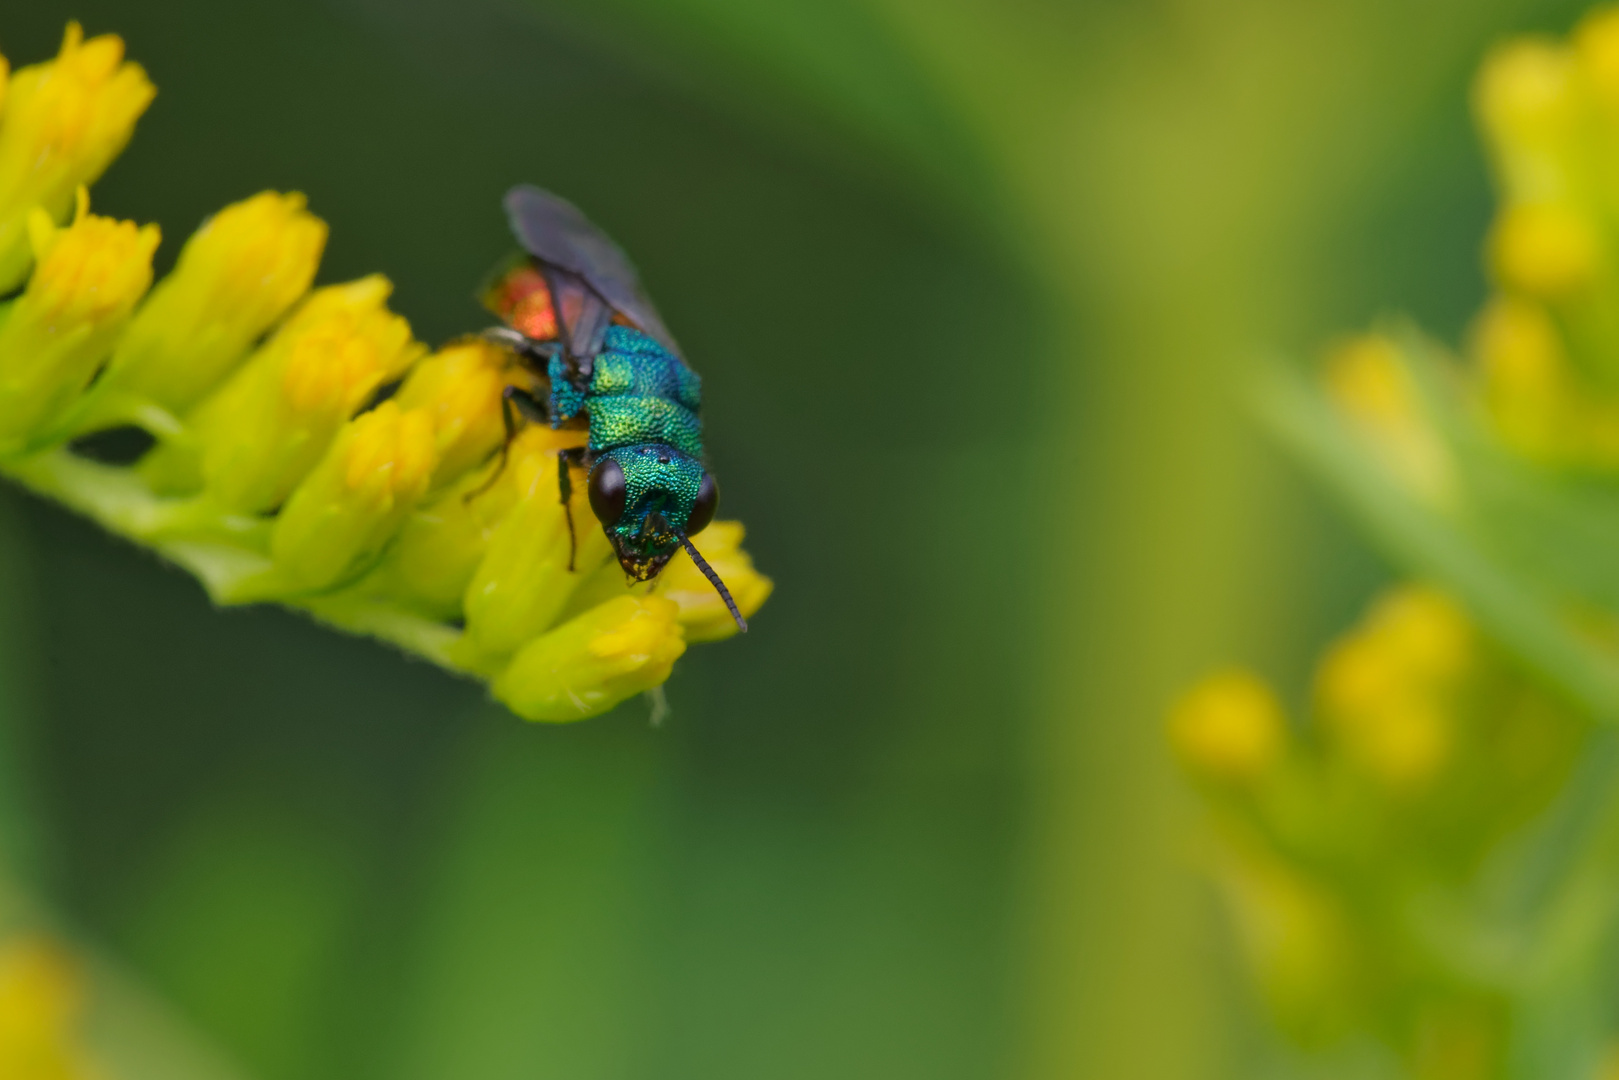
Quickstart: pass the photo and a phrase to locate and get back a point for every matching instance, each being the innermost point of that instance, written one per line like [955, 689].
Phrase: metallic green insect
[575, 312]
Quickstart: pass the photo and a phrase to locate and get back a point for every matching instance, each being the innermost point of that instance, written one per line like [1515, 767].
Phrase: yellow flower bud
[267, 426]
[88, 279]
[591, 663]
[1426, 633]
[41, 1002]
[63, 124]
[1367, 378]
[1527, 104]
[1545, 250]
[240, 273]
[442, 543]
[1228, 727]
[354, 501]
[523, 584]
[461, 385]
[1525, 375]
[702, 612]
[1596, 49]
[1386, 690]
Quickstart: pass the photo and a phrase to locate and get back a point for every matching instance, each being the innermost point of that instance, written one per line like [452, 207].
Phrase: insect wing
[583, 312]
[554, 231]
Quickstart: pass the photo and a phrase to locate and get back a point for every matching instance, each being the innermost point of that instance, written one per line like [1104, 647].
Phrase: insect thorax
[641, 393]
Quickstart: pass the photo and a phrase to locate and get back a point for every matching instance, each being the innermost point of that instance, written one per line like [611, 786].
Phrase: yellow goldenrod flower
[1596, 50]
[1527, 102]
[1387, 690]
[702, 612]
[277, 475]
[88, 279]
[1544, 250]
[461, 386]
[356, 498]
[41, 1001]
[440, 546]
[1424, 749]
[1228, 727]
[238, 274]
[254, 438]
[1525, 377]
[612, 652]
[1367, 378]
[1425, 633]
[64, 122]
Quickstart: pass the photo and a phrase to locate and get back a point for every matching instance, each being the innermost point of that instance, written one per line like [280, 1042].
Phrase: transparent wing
[554, 231]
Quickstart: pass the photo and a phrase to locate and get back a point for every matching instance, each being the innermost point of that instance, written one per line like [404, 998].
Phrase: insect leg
[513, 400]
[566, 458]
[535, 352]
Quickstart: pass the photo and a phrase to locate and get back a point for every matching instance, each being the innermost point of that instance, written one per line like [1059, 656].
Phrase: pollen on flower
[64, 122]
[1229, 727]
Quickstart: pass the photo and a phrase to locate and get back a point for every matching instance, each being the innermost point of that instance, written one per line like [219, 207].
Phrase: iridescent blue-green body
[643, 405]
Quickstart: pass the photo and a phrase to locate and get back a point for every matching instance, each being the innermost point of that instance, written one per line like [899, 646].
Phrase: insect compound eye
[702, 511]
[607, 492]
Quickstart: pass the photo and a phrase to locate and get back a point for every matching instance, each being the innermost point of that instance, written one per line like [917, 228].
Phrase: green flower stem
[1420, 538]
[225, 551]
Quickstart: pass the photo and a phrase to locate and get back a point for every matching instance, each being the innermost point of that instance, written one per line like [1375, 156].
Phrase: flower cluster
[1426, 863]
[1547, 344]
[1351, 842]
[307, 449]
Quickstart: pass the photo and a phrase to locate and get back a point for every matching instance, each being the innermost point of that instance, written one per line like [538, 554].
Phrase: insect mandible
[576, 315]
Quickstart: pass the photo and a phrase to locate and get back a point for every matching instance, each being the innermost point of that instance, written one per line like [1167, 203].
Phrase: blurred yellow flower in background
[1335, 845]
[42, 997]
[1229, 727]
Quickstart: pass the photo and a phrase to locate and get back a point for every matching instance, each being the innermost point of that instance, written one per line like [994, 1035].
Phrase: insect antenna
[714, 580]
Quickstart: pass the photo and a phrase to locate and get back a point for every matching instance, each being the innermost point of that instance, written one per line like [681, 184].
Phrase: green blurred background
[973, 287]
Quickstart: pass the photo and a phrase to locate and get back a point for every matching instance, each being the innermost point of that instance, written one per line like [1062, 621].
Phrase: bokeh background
[974, 288]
